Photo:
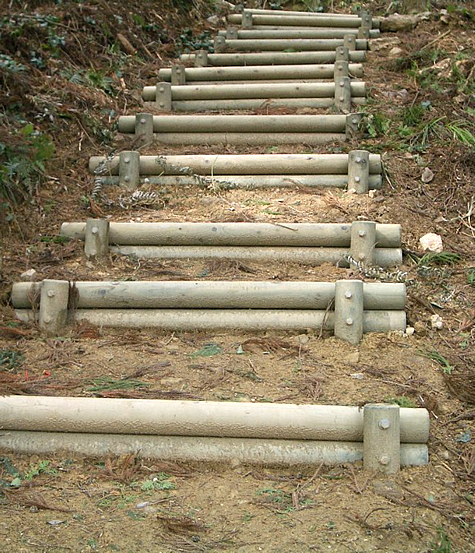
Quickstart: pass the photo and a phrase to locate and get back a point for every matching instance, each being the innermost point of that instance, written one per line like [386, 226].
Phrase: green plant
[187, 42]
[462, 131]
[22, 165]
[161, 482]
[442, 258]
[402, 401]
[443, 544]
[10, 359]
[43, 467]
[440, 359]
[471, 275]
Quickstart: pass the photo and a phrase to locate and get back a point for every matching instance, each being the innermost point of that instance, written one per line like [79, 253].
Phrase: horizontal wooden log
[290, 33]
[226, 319]
[199, 449]
[284, 20]
[261, 72]
[308, 256]
[240, 124]
[198, 418]
[275, 58]
[251, 91]
[247, 138]
[376, 21]
[195, 106]
[280, 45]
[231, 182]
[326, 235]
[243, 164]
[214, 295]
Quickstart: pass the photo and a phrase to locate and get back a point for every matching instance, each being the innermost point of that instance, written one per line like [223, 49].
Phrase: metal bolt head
[94, 230]
[348, 295]
[349, 321]
[342, 98]
[51, 294]
[178, 71]
[362, 256]
[362, 233]
[127, 160]
[162, 104]
[161, 89]
[358, 160]
[357, 179]
[342, 83]
[340, 67]
[47, 320]
[127, 178]
[354, 121]
[384, 424]
[143, 121]
[384, 459]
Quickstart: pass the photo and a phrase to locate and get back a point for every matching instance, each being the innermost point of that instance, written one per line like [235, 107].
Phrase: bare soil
[130, 504]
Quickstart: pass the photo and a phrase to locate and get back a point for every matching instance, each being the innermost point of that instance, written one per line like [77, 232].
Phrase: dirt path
[61, 503]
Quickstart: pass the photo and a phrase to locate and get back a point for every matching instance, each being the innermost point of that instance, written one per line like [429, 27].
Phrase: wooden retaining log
[199, 449]
[242, 164]
[260, 72]
[301, 20]
[222, 44]
[241, 129]
[245, 242]
[250, 182]
[292, 33]
[214, 295]
[202, 418]
[269, 58]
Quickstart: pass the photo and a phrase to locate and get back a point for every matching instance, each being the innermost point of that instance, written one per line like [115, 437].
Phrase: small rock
[436, 322]
[214, 20]
[352, 358]
[303, 339]
[357, 376]
[396, 52]
[431, 242]
[29, 275]
[388, 489]
[420, 328]
[427, 175]
[372, 193]
[445, 455]
[56, 522]
[410, 331]
[142, 505]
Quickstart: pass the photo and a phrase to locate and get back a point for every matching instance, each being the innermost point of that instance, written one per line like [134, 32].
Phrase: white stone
[410, 331]
[29, 275]
[436, 322]
[431, 242]
[396, 52]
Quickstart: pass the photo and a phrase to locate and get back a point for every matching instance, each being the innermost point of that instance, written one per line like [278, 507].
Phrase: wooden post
[178, 75]
[349, 41]
[349, 307]
[97, 238]
[144, 127]
[53, 306]
[163, 98]
[358, 171]
[201, 58]
[353, 121]
[342, 54]
[232, 32]
[363, 33]
[341, 69]
[219, 44]
[129, 170]
[246, 20]
[363, 241]
[343, 94]
[381, 438]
